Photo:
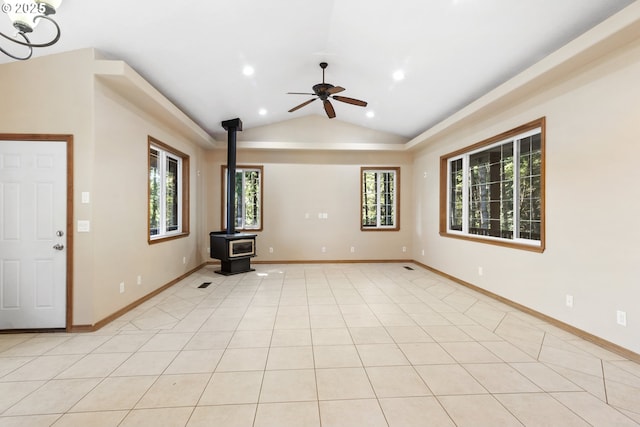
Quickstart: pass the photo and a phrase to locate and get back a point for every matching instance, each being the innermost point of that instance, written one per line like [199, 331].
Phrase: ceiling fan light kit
[325, 92]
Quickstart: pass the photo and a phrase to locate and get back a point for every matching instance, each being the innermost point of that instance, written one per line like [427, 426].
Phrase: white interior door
[33, 204]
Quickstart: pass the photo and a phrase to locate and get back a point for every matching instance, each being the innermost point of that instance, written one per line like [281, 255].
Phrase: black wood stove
[234, 250]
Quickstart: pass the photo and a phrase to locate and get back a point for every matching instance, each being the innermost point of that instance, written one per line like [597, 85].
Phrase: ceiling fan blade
[335, 89]
[331, 113]
[300, 93]
[302, 105]
[350, 101]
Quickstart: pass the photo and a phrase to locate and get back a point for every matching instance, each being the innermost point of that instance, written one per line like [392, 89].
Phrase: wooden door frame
[68, 139]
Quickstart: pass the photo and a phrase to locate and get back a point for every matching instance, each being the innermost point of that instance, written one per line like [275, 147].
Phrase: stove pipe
[231, 126]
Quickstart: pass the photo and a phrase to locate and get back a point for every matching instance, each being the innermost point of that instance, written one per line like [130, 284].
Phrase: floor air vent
[204, 285]
[408, 268]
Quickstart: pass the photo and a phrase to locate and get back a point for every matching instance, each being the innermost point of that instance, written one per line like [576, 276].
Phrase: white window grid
[380, 205]
[163, 158]
[466, 184]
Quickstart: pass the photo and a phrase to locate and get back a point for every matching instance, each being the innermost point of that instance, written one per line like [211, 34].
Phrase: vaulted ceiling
[450, 52]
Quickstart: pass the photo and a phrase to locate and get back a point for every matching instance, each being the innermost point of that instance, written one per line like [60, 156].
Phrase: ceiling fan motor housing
[322, 90]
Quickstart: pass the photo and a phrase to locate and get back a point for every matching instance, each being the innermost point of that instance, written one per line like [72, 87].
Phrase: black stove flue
[234, 250]
[231, 126]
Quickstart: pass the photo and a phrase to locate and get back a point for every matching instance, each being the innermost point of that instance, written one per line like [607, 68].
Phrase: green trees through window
[379, 195]
[495, 188]
[248, 197]
[168, 189]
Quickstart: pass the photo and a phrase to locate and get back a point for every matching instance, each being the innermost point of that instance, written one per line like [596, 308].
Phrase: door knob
[58, 247]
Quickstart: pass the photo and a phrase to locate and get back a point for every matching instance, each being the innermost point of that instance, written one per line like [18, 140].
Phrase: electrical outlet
[121, 287]
[621, 318]
[569, 301]
[423, 252]
[324, 249]
[139, 281]
[404, 249]
[270, 250]
[184, 259]
[353, 249]
[480, 271]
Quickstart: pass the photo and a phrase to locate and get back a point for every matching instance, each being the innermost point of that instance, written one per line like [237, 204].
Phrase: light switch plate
[84, 226]
[569, 301]
[621, 318]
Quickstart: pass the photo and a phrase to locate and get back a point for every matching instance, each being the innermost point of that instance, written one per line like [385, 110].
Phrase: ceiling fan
[324, 91]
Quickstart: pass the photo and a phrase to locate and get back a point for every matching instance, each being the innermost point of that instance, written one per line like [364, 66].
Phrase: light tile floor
[317, 345]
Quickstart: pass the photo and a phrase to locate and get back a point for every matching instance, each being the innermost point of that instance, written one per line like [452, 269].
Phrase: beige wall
[592, 203]
[316, 129]
[58, 94]
[297, 183]
[120, 206]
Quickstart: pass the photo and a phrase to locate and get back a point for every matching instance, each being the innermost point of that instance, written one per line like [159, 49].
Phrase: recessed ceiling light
[398, 75]
[248, 70]
[262, 112]
[371, 114]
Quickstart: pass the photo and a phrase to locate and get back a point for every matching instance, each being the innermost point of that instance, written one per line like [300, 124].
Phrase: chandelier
[25, 15]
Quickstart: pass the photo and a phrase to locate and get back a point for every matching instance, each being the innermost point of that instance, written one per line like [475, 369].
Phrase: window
[168, 192]
[493, 191]
[248, 195]
[380, 192]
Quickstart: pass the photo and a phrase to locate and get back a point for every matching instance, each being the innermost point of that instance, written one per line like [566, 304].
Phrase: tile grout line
[313, 354]
[195, 406]
[364, 368]
[266, 360]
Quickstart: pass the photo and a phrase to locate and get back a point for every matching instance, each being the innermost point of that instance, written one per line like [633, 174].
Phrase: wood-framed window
[168, 216]
[248, 195]
[493, 191]
[380, 198]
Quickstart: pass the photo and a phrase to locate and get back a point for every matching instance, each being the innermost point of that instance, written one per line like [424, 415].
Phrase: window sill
[379, 229]
[167, 238]
[532, 247]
